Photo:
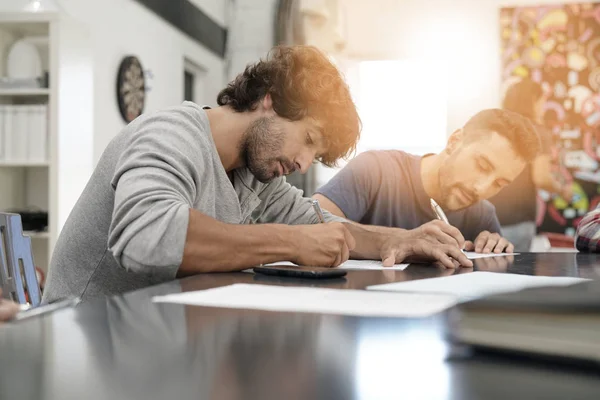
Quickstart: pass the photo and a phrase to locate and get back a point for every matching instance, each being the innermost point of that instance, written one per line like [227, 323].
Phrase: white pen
[317, 207]
[438, 211]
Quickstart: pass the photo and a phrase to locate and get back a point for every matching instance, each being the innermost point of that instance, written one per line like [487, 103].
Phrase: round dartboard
[131, 90]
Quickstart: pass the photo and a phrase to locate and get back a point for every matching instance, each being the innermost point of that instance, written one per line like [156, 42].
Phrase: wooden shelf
[24, 164]
[36, 235]
[25, 92]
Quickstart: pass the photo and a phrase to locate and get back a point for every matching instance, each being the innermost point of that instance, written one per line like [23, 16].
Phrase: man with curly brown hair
[192, 189]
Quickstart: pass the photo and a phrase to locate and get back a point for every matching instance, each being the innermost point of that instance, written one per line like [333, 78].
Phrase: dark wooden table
[127, 347]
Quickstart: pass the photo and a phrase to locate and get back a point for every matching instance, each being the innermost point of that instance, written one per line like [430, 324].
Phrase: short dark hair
[521, 97]
[302, 82]
[519, 131]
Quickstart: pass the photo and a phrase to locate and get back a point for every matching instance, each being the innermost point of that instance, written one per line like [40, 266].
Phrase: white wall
[123, 27]
[250, 33]
[463, 36]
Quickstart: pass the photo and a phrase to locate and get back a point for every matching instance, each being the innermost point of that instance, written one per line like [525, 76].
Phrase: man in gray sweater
[189, 189]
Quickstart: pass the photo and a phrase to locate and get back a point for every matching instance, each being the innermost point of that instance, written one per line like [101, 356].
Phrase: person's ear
[454, 141]
[267, 103]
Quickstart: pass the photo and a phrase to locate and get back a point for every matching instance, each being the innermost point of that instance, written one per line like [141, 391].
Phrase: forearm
[214, 246]
[369, 239]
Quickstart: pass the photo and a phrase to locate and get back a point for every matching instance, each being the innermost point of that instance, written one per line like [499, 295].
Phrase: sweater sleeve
[286, 205]
[155, 185]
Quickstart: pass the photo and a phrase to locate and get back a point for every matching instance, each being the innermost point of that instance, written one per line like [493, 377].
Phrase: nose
[482, 186]
[305, 160]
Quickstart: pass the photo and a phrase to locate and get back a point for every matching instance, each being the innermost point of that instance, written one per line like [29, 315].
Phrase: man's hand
[488, 242]
[437, 231]
[8, 309]
[398, 249]
[323, 245]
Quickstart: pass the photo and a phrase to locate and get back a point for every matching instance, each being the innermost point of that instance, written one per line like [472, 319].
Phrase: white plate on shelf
[23, 61]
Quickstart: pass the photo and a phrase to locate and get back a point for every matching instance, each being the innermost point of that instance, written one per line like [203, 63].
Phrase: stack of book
[562, 322]
[24, 133]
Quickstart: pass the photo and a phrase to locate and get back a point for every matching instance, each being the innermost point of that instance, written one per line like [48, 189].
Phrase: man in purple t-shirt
[394, 188]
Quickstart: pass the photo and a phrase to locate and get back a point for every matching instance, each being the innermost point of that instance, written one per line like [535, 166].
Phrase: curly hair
[302, 82]
[519, 130]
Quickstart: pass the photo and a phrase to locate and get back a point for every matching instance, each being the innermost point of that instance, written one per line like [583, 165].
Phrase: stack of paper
[315, 300]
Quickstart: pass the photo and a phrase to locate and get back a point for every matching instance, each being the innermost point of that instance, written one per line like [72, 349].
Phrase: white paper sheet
[315, 300]
[471, 255]
[471, 285]
[358, 264]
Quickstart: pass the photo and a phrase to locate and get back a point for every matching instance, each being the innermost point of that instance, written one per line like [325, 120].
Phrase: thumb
[388, 257]
[469, 246]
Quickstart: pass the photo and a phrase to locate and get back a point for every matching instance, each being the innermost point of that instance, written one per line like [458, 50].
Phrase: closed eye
[501, 183]
[484, 165]
[309, 139]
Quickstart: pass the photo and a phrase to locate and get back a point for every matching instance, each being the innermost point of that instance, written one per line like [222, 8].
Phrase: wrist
[285, 240]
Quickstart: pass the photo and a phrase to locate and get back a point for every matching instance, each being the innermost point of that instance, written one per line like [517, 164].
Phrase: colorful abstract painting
[559, 47]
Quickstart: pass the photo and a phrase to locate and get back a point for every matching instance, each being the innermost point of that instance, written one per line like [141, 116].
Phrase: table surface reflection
[127, 347]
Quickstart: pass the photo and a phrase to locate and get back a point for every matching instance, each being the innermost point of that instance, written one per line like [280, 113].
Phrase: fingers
[388, 257]
[501, 245]
[441, 232]
[345, 254]
[492, 241]
[459, 256]
[342, 256]
[510, 248]
[8, 310]
[454, 233]
[469, 246]
[488, 242]
[446, 255]
[442, 258]
[481, 241]
[346, 243]
[337, 261]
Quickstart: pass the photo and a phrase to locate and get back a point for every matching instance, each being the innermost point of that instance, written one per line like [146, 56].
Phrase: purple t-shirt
[384, 188]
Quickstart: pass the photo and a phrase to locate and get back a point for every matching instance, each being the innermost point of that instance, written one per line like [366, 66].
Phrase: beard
[449, 188]
[260, 142]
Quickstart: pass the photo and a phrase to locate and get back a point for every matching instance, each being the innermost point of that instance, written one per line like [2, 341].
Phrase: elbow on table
[143, 257]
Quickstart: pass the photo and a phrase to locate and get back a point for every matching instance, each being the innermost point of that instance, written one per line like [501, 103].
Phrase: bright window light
[403, 105]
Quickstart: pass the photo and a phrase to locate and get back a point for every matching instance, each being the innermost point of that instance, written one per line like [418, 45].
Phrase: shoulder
[187, 113]
[382, 158]
[185, 125]
[178, 136]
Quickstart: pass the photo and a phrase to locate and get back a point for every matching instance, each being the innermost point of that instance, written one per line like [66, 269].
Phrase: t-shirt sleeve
[354, 187]
[481, 217]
